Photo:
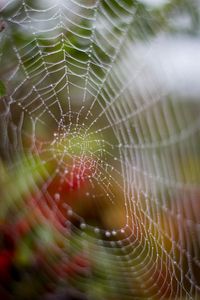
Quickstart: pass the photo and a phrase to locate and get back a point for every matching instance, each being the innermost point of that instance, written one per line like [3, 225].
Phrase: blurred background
[99, 149]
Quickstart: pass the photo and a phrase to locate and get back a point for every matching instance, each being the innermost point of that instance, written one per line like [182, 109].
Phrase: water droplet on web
[107, 234]
[57, 196]
[70, 212]
[82, 225]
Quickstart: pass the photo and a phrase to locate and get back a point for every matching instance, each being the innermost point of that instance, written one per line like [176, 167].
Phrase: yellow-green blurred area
[99, 149]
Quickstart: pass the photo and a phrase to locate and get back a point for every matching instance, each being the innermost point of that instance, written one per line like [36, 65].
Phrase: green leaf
[2, 89]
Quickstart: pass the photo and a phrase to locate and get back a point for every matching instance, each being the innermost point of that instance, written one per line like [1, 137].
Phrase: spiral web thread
[81, 94]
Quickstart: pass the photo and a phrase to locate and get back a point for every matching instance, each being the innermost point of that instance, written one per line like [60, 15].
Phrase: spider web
[91, 98]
